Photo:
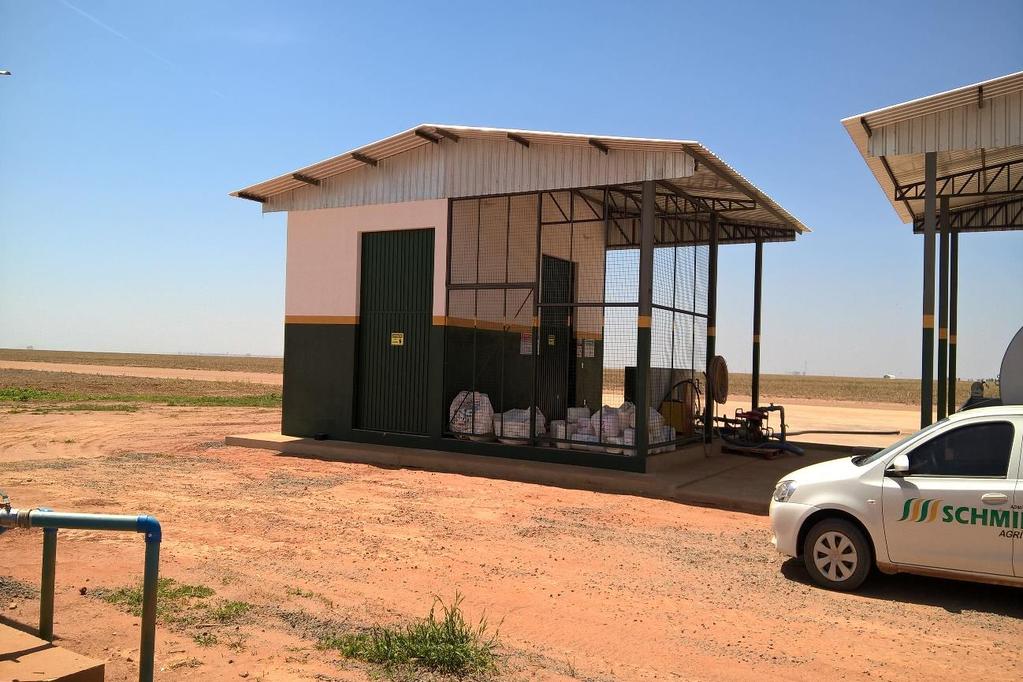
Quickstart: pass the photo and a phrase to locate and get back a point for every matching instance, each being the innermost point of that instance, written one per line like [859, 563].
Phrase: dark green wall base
[319, 376]
[319, 381]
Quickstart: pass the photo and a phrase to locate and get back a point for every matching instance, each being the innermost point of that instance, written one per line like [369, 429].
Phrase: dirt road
[271, 378]
[582, 585]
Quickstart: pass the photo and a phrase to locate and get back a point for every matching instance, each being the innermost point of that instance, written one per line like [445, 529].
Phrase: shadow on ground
[955, 596]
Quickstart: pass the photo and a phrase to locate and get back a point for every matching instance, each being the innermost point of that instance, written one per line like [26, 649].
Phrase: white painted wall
[324, 249]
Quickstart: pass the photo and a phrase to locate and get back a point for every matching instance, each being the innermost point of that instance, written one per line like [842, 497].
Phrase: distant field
[773, 386]
[229, 363]
[855, 389]
[20, 387]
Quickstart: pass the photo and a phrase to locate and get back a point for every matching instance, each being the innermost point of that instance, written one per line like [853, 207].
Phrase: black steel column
[712, 314]
[943, 310]
[927, 337]
[758, 274]
[536, 322]
[646, 294]
[953, 316]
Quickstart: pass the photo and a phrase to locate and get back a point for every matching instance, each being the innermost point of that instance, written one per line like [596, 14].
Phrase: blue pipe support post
[47, 584]
[50, 521]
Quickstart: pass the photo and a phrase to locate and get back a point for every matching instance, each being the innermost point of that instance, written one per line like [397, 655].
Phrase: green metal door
[394, 331]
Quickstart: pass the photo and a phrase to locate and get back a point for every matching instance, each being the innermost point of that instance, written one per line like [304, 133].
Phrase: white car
[945, 501]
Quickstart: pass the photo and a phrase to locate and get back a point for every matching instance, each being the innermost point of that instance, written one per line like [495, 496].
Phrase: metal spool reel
[717, 380]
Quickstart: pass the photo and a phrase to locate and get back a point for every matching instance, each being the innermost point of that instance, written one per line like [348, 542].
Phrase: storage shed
[488, 290]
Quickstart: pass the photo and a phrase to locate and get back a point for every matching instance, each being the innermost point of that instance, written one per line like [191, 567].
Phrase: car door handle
[994, 498]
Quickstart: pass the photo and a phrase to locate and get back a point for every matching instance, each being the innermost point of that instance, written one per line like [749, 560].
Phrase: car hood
[831, 470]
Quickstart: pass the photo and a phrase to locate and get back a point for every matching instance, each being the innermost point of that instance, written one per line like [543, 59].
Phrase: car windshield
[863, 460]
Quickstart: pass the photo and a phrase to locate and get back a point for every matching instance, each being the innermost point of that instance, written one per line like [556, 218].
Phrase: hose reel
[717, 380]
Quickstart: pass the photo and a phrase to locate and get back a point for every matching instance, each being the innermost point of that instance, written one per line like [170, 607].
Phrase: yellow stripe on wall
[928, 321]
[321, 319]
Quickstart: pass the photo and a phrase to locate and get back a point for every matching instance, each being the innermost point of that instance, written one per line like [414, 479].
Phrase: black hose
[846, 433]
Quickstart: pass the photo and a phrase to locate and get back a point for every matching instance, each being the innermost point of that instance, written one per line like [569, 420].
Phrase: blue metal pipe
[50, 521]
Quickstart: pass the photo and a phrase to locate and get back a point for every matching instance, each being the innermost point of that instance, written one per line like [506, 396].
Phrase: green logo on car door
[921, 510]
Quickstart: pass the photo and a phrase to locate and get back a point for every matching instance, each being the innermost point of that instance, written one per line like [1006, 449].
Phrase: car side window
[977, 450]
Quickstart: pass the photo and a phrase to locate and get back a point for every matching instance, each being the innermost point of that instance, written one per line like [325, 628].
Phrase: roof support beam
[1001, 215]
[752, 194]
[307, 179]
[895, 183]
[426, 136]
[699, 205]
[368, 160]
[518, 138]
[251, 197]
[866, 126]
[594, 142]
[447, 134]
[983, 181]
[709, 204]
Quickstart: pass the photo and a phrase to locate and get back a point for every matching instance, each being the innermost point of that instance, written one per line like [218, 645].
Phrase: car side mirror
[898, 467]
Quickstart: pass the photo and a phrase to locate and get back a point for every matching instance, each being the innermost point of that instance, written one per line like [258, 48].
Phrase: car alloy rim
[834, 555]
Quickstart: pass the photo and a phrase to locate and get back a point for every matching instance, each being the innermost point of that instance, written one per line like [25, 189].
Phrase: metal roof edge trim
[910, 105]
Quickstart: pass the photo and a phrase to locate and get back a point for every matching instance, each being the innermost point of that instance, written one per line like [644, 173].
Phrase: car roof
[993, 411]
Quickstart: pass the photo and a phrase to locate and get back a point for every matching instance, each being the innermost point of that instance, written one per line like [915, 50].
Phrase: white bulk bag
[607, 422]
[515, 424]
[627, 411]
[471, 413]
[577, 413]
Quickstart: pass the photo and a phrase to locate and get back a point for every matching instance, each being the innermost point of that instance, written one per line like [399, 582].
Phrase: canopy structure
[949, 163]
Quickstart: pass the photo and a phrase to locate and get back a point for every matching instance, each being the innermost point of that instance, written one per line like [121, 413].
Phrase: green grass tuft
[230, 611]
[205, 639]
[173, 599]
[442, 642]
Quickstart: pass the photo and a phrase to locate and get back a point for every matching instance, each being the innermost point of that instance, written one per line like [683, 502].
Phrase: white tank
[1010, 378]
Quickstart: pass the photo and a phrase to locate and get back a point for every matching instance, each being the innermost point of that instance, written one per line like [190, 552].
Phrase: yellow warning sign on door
[397, 338]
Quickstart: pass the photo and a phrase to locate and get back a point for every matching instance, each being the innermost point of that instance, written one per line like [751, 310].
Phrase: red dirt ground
[582, 585]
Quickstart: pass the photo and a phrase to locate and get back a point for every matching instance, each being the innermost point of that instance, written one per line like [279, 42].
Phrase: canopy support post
[953, 318]
[712, 314]
[927, 336]
[943, 311]
[644, 319]
[758, 275]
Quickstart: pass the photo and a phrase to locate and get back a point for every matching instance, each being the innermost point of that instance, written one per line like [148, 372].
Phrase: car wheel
[837, 555]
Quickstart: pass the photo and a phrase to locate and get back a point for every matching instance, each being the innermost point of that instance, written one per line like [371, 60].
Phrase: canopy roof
[433, 161]
[977, 133]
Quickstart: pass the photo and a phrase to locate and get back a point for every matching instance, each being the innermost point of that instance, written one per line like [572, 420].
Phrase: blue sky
[126, 124]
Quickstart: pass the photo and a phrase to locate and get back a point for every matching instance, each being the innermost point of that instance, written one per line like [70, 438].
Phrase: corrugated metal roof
[941, 101]
[970, 127]
[500, 164]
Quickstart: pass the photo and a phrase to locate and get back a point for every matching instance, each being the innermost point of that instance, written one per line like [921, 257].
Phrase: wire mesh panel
[543, 302]
[678, 338]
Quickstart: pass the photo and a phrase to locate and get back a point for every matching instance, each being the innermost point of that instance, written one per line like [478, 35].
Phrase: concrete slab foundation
[27, 658]
[692, 475]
